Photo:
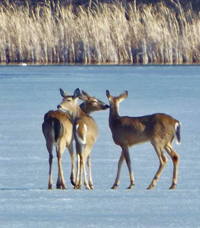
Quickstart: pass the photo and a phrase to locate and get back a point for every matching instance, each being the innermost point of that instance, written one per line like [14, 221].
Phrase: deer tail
[57, 127]
[178, 132]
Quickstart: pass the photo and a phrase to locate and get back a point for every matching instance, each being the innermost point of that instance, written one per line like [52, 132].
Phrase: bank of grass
[106, 33]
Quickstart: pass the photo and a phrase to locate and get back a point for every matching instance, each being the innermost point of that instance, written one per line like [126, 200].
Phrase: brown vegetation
[105, 33]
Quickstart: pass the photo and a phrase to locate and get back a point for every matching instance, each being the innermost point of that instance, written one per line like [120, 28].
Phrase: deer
[58, 131]
[159, 129]
[85, 131]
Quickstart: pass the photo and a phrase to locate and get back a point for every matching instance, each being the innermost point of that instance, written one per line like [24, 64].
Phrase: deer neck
[114, 113]
[75, 113]
[84, 108]
[78, 112]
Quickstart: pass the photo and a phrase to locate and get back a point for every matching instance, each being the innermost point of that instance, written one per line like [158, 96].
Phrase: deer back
[58, 124]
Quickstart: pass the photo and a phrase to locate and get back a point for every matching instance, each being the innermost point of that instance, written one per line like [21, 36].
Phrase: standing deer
[85, 131]
[159, 129]
[58, 130]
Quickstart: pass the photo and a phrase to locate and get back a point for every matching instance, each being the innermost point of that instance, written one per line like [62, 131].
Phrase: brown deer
[85, 131]
[159, 129]
[58, 130]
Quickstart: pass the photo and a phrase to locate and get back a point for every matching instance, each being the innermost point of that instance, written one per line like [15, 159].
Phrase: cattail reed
[105, 33]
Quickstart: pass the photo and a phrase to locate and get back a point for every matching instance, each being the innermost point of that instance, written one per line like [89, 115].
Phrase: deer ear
[107, 94]
[77, 93]
[85, 93]
[84, 96]
[123, 96]
[63, 93]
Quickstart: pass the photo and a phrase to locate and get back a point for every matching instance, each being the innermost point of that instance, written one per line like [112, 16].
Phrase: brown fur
[88, 134]
[57, 130]
[159, 129]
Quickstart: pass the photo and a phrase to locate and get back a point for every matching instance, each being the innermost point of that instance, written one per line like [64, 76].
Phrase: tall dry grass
[106, 33]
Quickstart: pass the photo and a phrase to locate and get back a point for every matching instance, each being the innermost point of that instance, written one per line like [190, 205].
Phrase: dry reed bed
[104, 34]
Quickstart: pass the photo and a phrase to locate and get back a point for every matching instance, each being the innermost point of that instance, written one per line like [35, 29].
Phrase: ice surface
[27, 93]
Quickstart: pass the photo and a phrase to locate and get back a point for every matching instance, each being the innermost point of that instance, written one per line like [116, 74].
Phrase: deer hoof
[50, 187]
[114, 186]
[173, 186]
[150, 187]
[77, 187]
[130, 187]
[91, 187]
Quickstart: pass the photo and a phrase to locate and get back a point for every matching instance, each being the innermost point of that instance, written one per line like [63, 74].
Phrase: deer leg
[58, 183]
[120, 162]
[128, 162]
[50, 171]
[175, 158]
[60, 150]
[90, 172]
[79, 185]
[50, 149]
[71, 152]
[78, 165]
[163, 161]
[85, 175]
[82, 171]
[77, 172]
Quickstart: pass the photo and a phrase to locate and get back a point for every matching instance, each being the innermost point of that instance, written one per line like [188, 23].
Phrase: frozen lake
[27, 93]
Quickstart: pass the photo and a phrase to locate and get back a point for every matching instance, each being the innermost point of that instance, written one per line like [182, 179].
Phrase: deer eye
[94, 101]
